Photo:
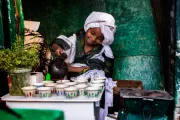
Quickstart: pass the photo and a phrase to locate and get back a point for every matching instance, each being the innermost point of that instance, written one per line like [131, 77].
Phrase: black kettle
[58, 68]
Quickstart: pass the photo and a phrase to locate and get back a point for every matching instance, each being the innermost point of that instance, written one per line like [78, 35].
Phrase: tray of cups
[65, 88]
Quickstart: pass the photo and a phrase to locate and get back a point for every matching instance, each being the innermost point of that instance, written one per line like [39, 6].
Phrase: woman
[89, 54]
[90, 47]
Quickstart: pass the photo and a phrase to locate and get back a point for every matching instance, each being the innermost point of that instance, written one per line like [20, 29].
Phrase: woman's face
[94, 36]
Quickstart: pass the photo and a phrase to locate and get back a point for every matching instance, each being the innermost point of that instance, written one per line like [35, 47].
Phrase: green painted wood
[177, 64]
[135, 28]
[21, 22]
[144, 68]
[12, 21]
[1, 28]
[136, 47]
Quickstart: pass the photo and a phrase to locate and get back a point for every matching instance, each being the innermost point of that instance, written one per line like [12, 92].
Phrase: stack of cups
[82, 85]
[96, 87]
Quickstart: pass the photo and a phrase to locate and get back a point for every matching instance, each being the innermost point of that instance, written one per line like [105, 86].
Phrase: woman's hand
[77, 69]
[58, 51]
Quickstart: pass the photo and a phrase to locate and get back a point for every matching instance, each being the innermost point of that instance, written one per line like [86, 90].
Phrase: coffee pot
[58, 68]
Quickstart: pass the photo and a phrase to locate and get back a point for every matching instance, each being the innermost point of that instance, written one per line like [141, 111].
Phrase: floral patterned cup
[98, 81]
[82, 81]
[44, 92]
[38, 85]
[92, 92]
[82, 89]
[52, 85]
[29, 91]
[100, 86]
[71, 92]
[60, 89]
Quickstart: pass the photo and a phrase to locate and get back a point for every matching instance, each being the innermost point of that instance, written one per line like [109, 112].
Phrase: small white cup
[62, 81]
[82, 89]
[52, 85]
[44, 92]
[98, 81]
[29, 91]
[82, 81]
[60, 89]
[92, 92]
[71, 83]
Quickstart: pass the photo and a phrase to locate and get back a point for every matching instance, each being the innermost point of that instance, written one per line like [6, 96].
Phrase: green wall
[135, 47]
[60, 16]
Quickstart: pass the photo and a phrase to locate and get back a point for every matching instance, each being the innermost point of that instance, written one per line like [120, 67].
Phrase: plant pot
[18, 78]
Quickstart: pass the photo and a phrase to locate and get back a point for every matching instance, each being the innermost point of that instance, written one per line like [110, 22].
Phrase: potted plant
[18, 61]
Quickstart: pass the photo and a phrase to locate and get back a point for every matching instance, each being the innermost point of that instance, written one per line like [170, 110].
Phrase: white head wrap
[105, 21]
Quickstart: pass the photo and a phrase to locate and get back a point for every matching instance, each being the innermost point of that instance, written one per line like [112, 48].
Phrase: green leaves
[18, 57]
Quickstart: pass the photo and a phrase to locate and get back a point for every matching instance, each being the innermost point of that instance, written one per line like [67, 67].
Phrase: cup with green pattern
[82, 89]
[52, 85]
[60, 89]
[100, 86]
[82, 81]
[44, 92]
[71, 92]
[92, 92]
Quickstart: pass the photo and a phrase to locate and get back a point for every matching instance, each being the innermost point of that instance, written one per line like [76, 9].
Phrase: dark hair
[80, 32]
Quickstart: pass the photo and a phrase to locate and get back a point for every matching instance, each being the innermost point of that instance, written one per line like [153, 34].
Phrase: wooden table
[80, 108]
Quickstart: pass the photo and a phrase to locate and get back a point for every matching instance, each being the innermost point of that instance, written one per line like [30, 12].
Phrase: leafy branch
[18, 57]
